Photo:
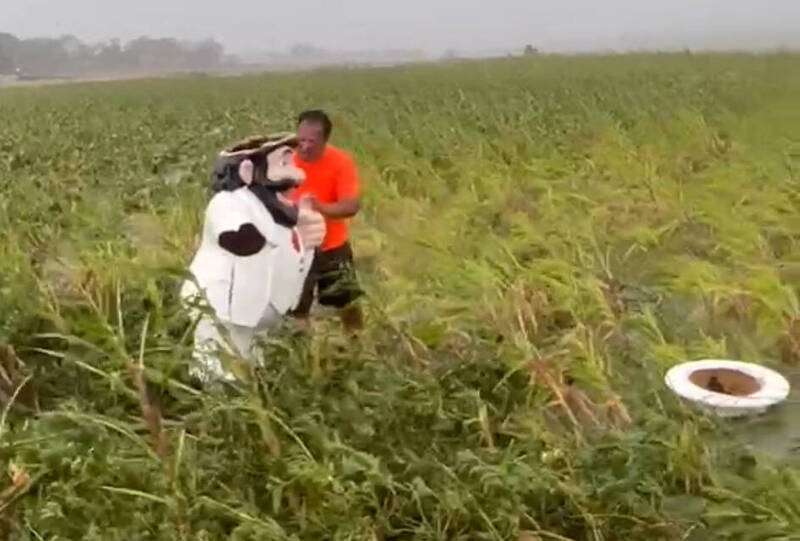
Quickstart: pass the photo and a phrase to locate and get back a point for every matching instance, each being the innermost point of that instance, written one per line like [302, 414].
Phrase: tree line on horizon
[69, 56]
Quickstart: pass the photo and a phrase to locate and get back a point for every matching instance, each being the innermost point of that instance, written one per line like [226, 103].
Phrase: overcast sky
[468, 25]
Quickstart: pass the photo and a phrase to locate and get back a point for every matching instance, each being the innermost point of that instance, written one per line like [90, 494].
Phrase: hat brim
[259, 145]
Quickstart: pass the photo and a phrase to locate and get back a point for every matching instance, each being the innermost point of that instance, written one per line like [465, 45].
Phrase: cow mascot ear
[246, 170]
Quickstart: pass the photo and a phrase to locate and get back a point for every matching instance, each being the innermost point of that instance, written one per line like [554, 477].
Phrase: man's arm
[344, 208]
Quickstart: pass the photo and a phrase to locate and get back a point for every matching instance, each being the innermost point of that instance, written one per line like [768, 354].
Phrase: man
[331, 188]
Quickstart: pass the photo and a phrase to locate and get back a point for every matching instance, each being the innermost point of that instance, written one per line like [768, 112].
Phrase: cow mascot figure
[255, 253]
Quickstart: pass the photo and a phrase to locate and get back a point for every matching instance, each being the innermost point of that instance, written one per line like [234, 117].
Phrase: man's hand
[345, 208]
[311, 226]
[307, 200]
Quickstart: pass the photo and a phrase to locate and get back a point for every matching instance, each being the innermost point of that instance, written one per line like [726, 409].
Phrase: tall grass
[541, 240]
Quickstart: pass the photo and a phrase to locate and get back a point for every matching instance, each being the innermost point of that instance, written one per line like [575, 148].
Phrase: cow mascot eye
[254, 254]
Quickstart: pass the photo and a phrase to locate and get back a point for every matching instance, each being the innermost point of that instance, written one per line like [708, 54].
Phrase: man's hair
[317, 116]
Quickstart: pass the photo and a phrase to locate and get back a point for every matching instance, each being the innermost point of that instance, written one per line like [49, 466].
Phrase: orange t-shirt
[329, 179]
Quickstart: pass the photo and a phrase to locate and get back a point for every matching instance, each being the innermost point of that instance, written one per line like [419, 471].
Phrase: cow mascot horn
[254, 255]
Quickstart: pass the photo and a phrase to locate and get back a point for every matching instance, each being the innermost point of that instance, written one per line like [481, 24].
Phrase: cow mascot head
[254, 255]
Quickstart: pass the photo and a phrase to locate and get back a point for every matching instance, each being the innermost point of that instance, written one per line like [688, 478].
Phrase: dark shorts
[333, 275]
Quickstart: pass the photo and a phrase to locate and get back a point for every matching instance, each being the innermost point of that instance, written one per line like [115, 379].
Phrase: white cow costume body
[255, 252]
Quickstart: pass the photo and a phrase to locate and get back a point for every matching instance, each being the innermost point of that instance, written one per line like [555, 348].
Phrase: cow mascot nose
[255, 252]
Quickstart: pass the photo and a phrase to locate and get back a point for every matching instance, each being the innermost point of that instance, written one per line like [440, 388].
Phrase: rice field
[541, 239]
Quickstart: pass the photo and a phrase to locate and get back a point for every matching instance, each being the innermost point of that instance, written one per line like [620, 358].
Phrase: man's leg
[352, 319]
[338, 287]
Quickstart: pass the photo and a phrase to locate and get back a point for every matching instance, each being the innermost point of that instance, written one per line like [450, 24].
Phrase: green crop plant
[541, 239]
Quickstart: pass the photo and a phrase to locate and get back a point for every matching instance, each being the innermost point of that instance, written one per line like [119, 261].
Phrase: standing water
[777, 431]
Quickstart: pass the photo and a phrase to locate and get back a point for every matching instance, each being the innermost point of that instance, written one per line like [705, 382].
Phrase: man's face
[311, 141]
